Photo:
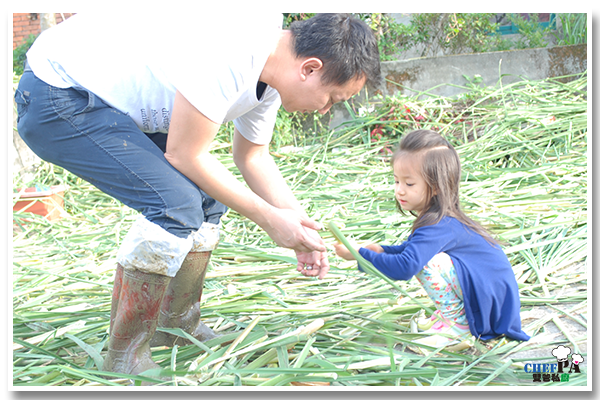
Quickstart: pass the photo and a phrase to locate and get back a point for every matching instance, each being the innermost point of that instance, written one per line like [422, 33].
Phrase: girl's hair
[440, 168]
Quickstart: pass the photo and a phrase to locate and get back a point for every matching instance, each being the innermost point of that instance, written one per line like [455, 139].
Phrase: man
[132, 102]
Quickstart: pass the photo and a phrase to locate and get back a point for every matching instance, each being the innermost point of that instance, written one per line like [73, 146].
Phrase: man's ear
[309, 67]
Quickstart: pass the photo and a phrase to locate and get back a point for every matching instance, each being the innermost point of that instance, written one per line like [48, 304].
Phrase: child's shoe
[427, 323]
[446, 333]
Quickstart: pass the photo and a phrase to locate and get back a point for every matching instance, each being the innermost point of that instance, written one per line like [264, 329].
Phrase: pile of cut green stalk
[524, 153]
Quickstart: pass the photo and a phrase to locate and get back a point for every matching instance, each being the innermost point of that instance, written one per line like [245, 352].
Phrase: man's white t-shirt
[136, 63]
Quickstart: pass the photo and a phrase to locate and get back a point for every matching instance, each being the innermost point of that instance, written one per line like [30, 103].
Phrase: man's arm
[264, 178]
[190, 135]
[262, 174]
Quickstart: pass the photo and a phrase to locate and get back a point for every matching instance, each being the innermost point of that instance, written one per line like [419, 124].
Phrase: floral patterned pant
[439, 280]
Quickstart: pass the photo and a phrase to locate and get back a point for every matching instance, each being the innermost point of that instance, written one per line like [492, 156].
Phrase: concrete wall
[443, 76]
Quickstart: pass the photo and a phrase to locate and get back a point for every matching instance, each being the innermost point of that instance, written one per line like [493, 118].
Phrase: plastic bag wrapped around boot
[149, 248]
[206, 238]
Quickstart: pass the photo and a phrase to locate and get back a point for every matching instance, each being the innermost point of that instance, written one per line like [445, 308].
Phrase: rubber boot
[134, 316]
[115, 295]
[181, 305]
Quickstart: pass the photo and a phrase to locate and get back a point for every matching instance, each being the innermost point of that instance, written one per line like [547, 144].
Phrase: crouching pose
[461, 267]
[134, 109]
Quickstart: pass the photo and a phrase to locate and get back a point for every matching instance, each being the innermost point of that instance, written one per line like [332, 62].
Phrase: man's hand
[313, 264]
[293, 230]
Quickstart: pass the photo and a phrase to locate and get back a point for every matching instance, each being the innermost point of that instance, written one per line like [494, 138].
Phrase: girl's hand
[344, 253]
[374, 247]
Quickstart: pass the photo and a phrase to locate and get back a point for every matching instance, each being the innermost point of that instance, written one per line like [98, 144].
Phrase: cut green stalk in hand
[367, 265]
[524, 148]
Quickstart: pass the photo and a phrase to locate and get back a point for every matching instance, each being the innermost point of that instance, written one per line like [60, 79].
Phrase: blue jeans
[75, 129]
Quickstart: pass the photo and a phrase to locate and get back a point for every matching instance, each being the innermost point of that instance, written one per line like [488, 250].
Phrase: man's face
[312, 95]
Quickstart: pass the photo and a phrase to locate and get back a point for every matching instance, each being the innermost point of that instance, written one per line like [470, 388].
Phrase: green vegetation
[525, 160]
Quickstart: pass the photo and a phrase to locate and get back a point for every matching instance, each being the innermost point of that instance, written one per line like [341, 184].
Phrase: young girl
[461, 267]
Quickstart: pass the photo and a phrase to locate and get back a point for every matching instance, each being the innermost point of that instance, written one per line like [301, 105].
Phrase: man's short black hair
[346, 45]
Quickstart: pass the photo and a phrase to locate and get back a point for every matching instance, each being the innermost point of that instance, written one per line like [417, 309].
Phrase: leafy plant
[531, 33]
[452, 33]
[20, 54]
[291, 17]
[392, 36]
[525, 177]
[471, 33]
[573, 29]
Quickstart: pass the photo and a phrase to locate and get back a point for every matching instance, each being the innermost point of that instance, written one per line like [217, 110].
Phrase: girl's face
[410, 188]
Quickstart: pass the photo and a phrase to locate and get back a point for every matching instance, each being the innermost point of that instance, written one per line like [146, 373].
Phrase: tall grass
[524, 154]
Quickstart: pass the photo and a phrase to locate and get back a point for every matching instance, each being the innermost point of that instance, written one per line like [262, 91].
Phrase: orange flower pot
[47, 203]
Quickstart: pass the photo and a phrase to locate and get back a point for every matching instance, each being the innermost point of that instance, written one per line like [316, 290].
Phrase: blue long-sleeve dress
[489, 287]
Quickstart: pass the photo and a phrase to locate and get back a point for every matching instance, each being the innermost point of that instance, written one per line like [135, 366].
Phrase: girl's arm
[394, 249]
[344, 253]
[415, 253]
